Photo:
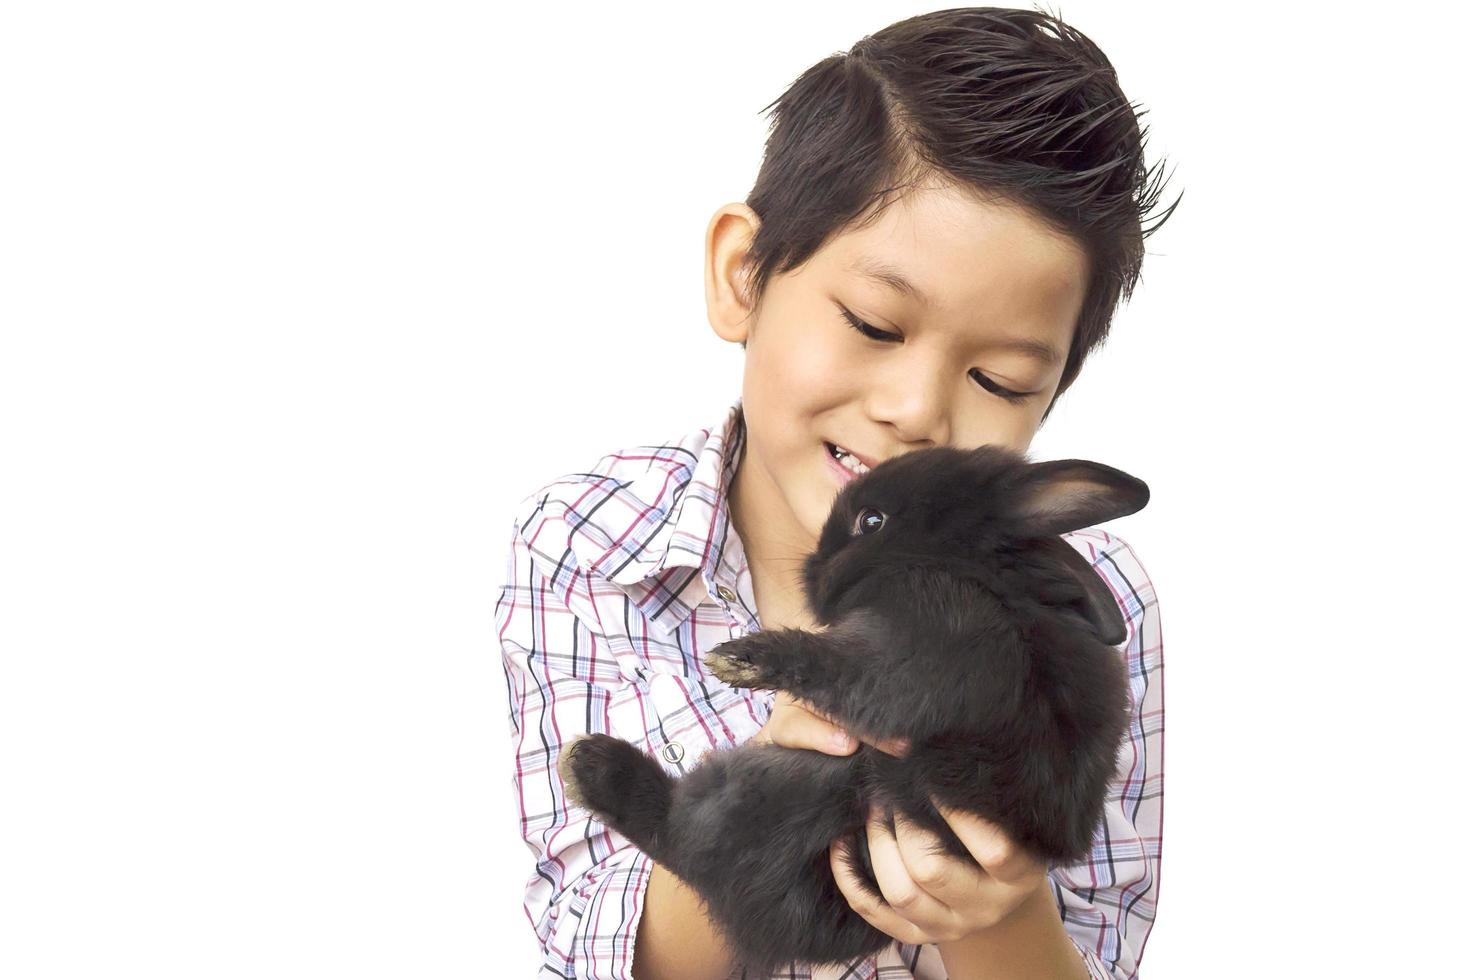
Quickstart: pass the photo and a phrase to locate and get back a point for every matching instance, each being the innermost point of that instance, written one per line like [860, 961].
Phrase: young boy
[944, 222]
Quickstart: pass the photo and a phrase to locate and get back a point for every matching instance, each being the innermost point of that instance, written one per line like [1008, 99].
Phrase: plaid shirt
[617, 582]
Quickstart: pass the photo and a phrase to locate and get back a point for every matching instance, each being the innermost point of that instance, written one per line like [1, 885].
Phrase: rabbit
[949, 613]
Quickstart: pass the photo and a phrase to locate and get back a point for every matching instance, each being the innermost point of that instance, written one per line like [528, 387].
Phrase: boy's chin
[813, 517]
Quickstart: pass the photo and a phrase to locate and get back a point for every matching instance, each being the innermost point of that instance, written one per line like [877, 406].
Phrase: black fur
[952, 615]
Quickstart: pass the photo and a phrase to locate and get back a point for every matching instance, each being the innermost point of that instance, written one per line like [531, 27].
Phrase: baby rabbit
[952, 615]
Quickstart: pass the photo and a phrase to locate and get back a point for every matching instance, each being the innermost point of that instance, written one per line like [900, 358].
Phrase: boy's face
[998, 287]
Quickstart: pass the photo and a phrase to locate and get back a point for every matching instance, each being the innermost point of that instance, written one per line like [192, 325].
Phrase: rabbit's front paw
[736, 663]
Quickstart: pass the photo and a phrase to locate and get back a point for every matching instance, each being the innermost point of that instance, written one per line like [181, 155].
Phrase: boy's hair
[1011, 104]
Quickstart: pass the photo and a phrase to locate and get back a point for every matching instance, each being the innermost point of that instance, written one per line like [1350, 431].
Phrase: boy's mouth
[846, 458]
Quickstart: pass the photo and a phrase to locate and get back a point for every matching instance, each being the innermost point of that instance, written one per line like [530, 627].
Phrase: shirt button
[725, 593]
[674, 752]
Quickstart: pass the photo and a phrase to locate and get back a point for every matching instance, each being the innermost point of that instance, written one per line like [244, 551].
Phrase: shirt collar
[684, 547]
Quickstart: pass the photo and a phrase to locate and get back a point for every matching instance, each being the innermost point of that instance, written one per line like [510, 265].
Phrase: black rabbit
[951, 614]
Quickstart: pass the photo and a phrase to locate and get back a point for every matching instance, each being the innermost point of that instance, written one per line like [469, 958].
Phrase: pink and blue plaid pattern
[618, 580]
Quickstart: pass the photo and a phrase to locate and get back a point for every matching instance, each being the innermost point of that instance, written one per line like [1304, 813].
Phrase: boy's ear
[727, 274]
[1066, 494]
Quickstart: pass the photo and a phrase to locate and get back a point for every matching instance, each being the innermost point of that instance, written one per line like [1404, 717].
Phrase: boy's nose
[914, 409]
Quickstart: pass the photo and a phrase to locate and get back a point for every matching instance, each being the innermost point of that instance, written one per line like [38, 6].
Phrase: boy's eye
[989, 385]
[866, 329]
[986, 382]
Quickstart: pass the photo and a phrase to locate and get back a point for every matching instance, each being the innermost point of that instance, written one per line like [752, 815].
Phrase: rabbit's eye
[869, 519]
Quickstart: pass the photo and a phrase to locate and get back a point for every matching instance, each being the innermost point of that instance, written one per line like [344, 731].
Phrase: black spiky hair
[1012, 104]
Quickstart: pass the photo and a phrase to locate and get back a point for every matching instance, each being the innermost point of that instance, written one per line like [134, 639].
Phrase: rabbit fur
[950, 613]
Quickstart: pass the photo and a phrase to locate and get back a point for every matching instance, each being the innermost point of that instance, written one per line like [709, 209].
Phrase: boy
[944, 222]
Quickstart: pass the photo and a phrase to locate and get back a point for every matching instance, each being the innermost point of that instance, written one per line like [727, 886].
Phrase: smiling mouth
[845, 458]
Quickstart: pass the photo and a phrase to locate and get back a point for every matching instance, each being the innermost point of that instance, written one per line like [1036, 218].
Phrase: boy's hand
[795, 724]
[931, 896]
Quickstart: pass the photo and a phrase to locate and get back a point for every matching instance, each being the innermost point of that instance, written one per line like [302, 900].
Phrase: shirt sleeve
[586, 895]
[1109, 901]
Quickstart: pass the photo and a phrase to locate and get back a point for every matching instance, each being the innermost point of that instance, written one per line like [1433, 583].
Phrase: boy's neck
[775, 564]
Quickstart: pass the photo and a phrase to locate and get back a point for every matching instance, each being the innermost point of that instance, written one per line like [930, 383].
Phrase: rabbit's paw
[620, 786]
[598, 771]
[738, 663]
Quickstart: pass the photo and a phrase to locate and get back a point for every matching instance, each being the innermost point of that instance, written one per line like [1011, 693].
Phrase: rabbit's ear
[1066, 494]
[1097, 609]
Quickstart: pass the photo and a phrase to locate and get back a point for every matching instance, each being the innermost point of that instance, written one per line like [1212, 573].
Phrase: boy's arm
[1108, 903]
[676, 940]
[1030, 942]
[588, 890]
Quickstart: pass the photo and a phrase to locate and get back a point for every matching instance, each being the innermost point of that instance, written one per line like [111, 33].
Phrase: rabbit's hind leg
[621, 786]
[750, 830]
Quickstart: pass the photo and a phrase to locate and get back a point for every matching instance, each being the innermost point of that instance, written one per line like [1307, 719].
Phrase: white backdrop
[298, 299]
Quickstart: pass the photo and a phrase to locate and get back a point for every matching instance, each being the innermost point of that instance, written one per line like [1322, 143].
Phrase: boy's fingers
[893, 746]
[796, 725]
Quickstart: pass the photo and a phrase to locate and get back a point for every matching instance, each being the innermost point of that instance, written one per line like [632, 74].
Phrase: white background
[298, 299]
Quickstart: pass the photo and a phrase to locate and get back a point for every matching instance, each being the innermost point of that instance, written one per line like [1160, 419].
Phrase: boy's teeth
[848, 460]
